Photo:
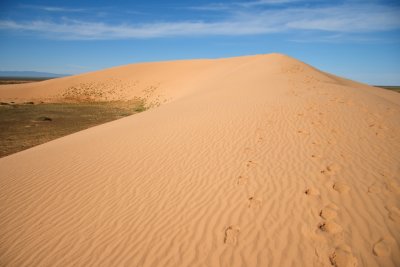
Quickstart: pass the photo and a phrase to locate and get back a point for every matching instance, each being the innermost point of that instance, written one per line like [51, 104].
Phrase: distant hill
[30, 74]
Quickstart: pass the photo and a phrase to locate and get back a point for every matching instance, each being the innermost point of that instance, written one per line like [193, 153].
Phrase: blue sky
[356, 39]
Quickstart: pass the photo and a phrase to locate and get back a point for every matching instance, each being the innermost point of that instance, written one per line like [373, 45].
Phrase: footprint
[259, 134]
[332, 206]
[254, 202]
[242, 180]
[331, 142]
[341, 187]
[250, 163]
[330, 227]
[382, 248]
[303, 132]
[378, 126]
[393, 187]
[311, 191]
[374, 189]
[394, 213]
[328, 213]
[343, 257]
[331, 169]
[231, 234]
[315, 156]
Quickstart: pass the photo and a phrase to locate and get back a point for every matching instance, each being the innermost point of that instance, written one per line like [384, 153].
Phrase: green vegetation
[26, 125]
[140, 108]
[393, 88]
[18, 80]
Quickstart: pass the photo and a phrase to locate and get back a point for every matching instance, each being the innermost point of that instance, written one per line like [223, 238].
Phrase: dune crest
[248, 161]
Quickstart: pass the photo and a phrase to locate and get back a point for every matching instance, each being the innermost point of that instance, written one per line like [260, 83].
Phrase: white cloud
[365, 18]
[337, 19]
[89, 30]
[232, 6]
[53, 8]
[267, 2]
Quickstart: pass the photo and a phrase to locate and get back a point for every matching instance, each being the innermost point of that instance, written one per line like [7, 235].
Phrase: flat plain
[25, 125]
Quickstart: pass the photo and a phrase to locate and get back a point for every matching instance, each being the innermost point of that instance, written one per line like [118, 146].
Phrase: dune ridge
[251, 161]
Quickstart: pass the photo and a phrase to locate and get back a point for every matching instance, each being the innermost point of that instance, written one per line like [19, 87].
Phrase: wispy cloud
[89, 30]
[335, 19]
[74, 66]
[267, 2]
[340, 38]
[347, 19]
[52, 8]
[231, 6]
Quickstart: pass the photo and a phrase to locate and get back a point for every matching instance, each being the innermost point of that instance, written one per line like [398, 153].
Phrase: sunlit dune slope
[251, 161]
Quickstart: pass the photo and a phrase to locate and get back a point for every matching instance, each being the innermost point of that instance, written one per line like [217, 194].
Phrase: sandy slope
[257, 161]
[158, 82]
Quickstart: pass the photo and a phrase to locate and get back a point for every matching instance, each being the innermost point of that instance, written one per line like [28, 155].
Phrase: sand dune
[251, 161]
[157, 82]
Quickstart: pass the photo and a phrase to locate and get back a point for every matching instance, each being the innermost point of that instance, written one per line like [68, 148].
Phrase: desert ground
[394, 88]
[18, 80]
[30, 124]
[248, 161]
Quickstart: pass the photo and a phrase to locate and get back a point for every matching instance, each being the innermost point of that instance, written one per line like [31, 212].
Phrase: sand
[248, 161]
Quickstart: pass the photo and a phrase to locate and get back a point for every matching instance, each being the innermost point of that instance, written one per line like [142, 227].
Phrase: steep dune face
[257, 161]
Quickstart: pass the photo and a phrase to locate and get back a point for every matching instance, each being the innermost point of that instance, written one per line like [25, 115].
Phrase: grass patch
[18, 80]
[393, 88]
[140, 107]
[26, 125]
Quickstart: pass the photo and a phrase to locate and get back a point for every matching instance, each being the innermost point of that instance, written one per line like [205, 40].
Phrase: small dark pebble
[44, 119]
